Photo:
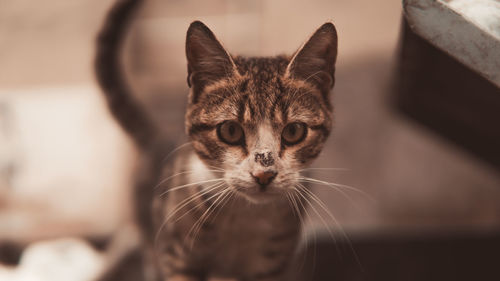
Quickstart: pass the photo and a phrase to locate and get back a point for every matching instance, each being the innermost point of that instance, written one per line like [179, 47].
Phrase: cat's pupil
[292, 130]
[232, 130]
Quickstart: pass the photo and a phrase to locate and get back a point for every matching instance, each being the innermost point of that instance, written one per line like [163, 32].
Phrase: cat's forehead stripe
[260, 96]
[247, 100]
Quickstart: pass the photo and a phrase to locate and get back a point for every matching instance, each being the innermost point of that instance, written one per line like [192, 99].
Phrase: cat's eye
[294, 133]
[231, 132]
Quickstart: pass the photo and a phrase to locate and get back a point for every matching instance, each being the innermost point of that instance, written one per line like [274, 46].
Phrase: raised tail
[131, 116]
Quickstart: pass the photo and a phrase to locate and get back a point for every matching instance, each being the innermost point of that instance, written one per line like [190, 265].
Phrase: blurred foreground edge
[443, 257]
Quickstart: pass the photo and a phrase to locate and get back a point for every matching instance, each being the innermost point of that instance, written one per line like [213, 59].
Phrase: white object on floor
[71, 164]
[484, 13]
[56, 260]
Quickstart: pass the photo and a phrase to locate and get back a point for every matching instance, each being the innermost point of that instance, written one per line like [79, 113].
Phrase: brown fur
[248, 238]
[260, 91]
[231, 209]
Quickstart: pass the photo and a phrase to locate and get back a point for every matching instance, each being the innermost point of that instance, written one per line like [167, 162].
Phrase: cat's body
[238, 239]
[228, 204]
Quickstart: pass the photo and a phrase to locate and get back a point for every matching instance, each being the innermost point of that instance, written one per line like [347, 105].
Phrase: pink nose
[264, 178]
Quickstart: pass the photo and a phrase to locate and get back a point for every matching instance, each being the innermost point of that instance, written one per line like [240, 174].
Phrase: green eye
[294, 133]
[230, 132]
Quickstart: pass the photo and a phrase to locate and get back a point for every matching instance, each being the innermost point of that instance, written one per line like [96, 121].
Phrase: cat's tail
[129, 113]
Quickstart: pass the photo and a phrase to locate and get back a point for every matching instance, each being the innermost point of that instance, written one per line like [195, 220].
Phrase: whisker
[301, 188]
[332, 184]
[198, 205]
[318, 201]
[302, 223]
[190, 184]
[201, 219]
[231, 196]
[349, 198]
[325, 209]
[324, 169]
[215, 167]
[290, 204]
[217, 203]
[175, 150]
[182, 173]
[304, 234]
[183, 204]
[193, 197]
[325, 224]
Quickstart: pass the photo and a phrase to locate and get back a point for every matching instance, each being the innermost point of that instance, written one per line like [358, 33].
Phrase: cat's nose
[264, 178]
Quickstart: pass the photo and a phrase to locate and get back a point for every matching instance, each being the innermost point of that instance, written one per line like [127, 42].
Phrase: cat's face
[261, 120]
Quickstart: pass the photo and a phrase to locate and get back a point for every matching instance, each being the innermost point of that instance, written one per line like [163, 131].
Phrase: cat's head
[261, 119]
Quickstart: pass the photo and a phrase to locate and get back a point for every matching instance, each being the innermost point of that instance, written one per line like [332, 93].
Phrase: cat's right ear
[315, 61]
[207, 60]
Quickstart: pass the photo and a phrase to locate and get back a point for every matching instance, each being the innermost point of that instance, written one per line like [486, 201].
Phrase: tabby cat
[227, 205]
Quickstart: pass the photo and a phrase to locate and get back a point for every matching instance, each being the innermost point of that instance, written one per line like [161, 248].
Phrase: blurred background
[66, 167]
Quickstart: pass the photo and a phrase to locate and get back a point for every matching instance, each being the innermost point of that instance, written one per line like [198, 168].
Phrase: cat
[227, 205]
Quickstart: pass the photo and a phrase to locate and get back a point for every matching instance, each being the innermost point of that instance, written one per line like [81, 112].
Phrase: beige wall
[263, 28]
[48, 42]
[66, 166]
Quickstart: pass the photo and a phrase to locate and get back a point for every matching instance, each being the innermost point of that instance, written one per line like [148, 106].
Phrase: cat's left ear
[315, 61]
[208, 61]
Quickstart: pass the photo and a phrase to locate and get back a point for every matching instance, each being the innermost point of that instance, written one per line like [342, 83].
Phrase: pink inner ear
[315, 61]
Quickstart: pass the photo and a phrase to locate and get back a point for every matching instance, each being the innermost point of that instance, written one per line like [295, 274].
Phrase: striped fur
[239, 240]
[230, 226]
[214, 218]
